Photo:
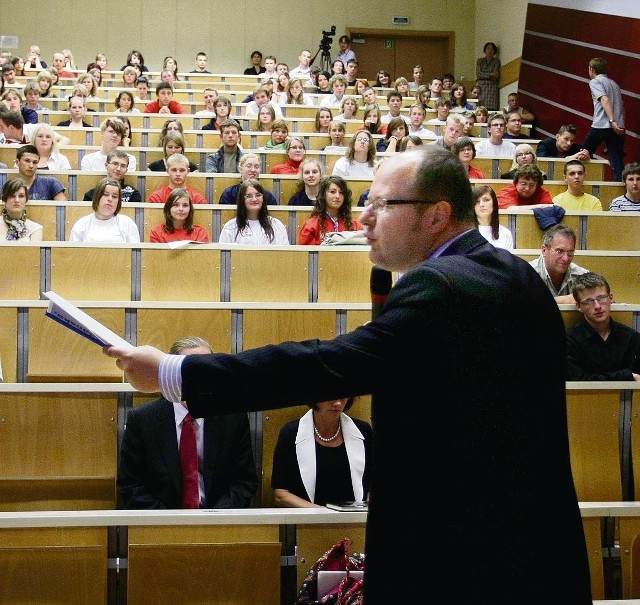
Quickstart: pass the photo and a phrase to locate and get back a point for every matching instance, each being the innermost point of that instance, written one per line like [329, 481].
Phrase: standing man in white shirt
[346, 54]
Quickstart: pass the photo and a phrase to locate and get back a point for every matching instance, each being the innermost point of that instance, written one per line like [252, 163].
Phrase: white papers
[71, 317]
[182, 243]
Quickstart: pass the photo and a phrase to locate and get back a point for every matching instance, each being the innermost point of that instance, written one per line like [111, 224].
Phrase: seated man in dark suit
[149, 470]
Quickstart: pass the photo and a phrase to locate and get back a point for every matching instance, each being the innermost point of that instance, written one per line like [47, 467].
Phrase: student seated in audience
[130, 76]
[295, 94]
[51, 158]
[383, 79]
[371, 119]
[423, 97]
[223, 110]
[563, 145]
[142, 90]
[514, 126]
[262, 96]
[150, 473]
[417, 115]
[256, 68]
[494, 146]
[77, 111]
[443, 109]
[348, 109]
[526, 191]
[164, 102]
[173, 142]
[113, 132]
[32, 95]
[279, 134]
[469, 123]
[396, 130]
[15, 225]
[264, 119]
[33, 59]
[337, 67]
[44, 80]
[89, 83]
[458, 97]
[575, 198]
[226, 159]
[331, 212]
[401, 84]
[451, 131]
[598, 347]
[322, 457]
[323, 88]
[117, 165]
[170, 125]
[201, 63]
[324, 117]
[488, 219]
[436, 89]
[338, 86]
[359, 158]
[465, 149]
[171, 64]
[178, 171]
[253, 224]
[311, 173]
[555, 265]
[12, 99]
[630, 200]
[411, 140]
[135, 59]
[337, 132]
[523, 155]
[39, 187]
[210, 96]
[513, 104]
[125, 103]
[178, 221]
[295, 149]
[105, 224]
[249, 168]
[394, 103]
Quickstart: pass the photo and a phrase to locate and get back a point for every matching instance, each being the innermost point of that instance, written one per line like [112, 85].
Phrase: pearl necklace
[326, 439]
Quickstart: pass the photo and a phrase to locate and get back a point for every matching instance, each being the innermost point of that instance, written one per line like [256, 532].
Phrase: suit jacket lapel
[165, 427]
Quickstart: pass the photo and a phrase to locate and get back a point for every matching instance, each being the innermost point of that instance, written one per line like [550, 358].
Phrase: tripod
[325, 57]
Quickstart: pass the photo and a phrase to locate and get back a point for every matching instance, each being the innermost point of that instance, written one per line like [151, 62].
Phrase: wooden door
[397, 53]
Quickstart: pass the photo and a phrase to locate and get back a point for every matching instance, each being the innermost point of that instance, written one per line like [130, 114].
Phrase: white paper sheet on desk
[67, 314]
[182, 243]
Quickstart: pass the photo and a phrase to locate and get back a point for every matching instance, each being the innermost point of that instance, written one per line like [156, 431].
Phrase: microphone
[380, 285]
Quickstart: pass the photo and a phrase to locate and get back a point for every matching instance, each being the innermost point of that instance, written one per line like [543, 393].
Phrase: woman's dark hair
[414, 138]
[350, 401]
[385, 73]
[175, 195]
[124, 93]
[320, 207]
[455, 101]
[487, 45]
[99, 190]
[136, 52]
[393, 124]
[463, 142]
[478, 192]
[242, 220]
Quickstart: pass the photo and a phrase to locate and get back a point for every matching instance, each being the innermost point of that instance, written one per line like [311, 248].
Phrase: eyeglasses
[362, 140]
[602, 299]
[379, 204]
[561, 252]
[253, 196]
[118, 165]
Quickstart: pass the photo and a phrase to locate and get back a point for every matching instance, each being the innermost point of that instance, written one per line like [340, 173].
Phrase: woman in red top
[332, 212]
[295, 150]
[466, 151]
[178, 221]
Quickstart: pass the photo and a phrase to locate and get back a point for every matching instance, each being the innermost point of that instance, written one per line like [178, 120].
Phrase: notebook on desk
[328, 580]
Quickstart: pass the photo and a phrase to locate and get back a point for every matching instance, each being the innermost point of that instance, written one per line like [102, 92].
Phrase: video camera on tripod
[325, 47]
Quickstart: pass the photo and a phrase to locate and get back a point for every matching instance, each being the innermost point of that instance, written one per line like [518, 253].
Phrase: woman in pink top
[178, 221]
[332, 212]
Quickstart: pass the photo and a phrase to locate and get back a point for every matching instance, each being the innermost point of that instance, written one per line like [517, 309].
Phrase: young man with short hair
[9, 76]
[13, 129]
[513, 104]
[338, 83]
[226, 159]
[262, 96]
[303, 71]
[210, 96]
[563, 145]
[514, 126]
[113, 131]
[178, 171]
[39, 187]
[630, 201]
[59, 62]
[451, 131]
[599, 348]
[494, 146]
[164, 102]
[346, 53]
[418, 78]
[351, 72]
[575, 198]
[443, 109]
[394, 103]
[32, 96]
[201, 63]
[269, 67]
[117, 165]
[417, 115]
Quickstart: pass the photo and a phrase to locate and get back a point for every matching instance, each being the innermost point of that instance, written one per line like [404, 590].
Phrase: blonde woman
[295, 94]
[44, 138]
[523, 154]
[88, 81]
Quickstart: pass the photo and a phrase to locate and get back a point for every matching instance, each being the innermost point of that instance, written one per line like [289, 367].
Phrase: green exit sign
[388, 43]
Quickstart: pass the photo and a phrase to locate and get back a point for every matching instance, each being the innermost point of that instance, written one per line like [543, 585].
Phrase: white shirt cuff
[170, 377]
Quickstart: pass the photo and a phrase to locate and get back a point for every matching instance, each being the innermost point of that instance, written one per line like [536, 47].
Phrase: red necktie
[189, 463]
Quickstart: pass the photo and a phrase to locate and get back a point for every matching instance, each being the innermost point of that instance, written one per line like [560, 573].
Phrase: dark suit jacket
[467, 367]
[149, 473]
